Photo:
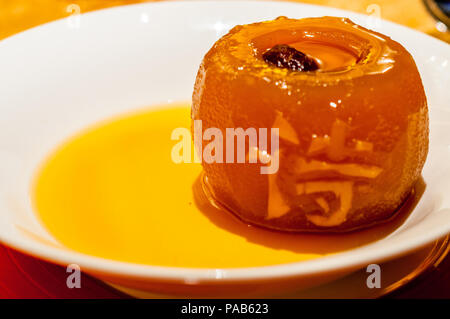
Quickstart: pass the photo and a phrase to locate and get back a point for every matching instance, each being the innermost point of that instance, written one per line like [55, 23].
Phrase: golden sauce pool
[113, 191]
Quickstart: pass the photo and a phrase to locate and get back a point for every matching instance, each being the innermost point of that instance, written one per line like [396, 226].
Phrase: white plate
[63, 76]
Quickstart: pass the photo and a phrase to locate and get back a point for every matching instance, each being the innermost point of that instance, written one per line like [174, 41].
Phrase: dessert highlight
[351, 114]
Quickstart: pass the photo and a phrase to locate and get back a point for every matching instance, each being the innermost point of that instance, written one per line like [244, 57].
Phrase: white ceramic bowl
[63, 76]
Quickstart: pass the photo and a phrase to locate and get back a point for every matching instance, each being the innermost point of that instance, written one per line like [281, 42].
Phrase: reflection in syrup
[336, 44]
[328, 57]
[302, 242]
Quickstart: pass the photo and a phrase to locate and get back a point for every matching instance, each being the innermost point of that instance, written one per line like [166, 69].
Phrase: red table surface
[23, 276]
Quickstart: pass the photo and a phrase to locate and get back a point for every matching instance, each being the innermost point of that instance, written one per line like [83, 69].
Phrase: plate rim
[325, 264]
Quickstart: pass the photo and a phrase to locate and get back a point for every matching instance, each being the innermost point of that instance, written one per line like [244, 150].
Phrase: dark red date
[284, 56]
